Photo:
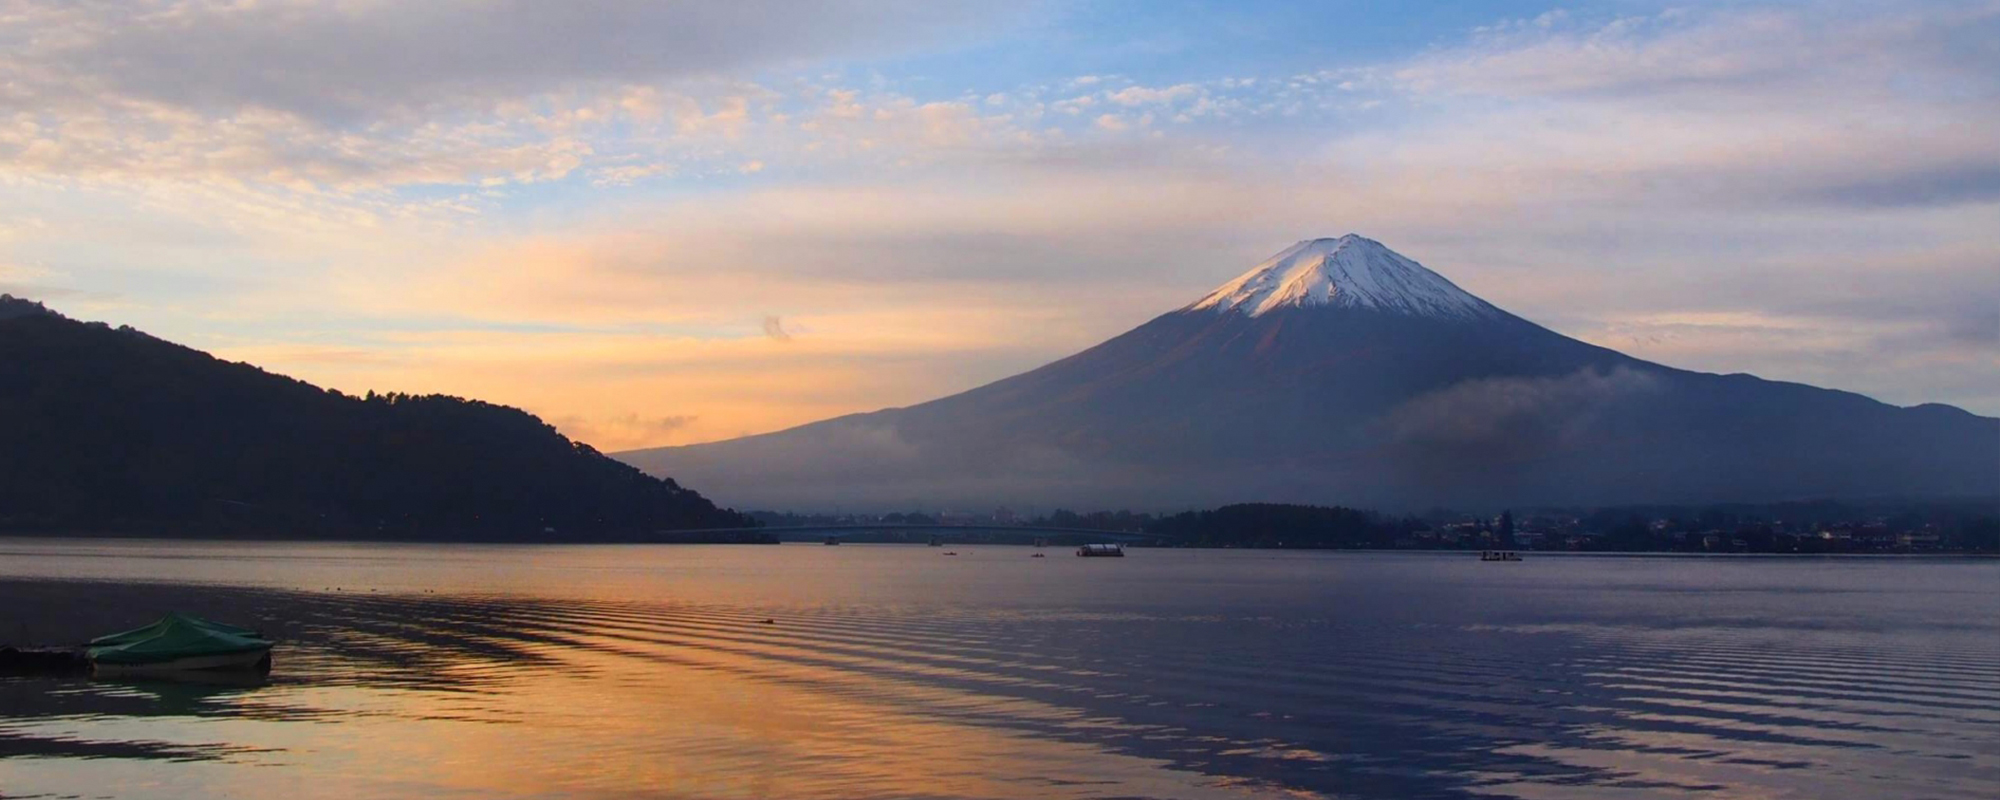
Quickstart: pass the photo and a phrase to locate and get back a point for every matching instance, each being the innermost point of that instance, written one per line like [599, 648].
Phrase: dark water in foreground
[620, 671]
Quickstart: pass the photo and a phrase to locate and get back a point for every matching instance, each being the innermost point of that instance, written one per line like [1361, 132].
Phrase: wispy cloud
[623, 431]
[351, 63]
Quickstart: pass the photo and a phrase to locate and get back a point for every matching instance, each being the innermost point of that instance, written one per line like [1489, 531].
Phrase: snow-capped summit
[1349, 272]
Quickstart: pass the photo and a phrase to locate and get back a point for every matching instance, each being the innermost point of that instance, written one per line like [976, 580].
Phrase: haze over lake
[890, 671]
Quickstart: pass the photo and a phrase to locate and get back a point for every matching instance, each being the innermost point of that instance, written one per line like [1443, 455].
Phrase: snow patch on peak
[1349, 272]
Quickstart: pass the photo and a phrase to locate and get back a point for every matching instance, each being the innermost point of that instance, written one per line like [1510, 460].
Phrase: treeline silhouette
[1250, 525]
[113, 431]
[1282, 525]
[1883, 525]
[1121, 520]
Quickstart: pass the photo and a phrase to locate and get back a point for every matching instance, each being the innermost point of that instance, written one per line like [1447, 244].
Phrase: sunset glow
[858, 205]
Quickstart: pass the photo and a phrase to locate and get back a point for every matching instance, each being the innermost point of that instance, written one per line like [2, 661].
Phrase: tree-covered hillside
[112, 430]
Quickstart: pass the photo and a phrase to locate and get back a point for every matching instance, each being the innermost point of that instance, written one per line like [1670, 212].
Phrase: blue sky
[668, 222]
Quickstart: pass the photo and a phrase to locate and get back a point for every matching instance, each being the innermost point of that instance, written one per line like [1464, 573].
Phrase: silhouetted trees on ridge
[112, 430]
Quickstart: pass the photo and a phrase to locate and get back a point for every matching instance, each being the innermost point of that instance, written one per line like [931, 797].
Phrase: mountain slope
[114, 430]
[1341, 372]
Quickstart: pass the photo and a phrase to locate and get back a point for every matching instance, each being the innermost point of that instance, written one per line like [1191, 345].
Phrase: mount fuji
[1339, 371]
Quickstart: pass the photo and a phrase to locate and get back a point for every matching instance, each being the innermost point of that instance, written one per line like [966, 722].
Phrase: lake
[806, 671]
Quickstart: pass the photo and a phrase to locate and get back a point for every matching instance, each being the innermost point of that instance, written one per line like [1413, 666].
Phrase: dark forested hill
[112, 430]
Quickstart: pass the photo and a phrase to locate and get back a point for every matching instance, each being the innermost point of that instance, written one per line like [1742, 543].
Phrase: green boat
[179, 643]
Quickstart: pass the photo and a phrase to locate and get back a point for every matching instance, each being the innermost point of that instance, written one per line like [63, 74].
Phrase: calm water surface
[886, 671]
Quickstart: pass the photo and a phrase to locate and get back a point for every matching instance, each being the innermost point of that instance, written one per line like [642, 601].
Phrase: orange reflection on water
[679, 706]
[816, 672]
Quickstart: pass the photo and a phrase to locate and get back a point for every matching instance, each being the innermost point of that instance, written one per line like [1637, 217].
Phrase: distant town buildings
[1684, 530]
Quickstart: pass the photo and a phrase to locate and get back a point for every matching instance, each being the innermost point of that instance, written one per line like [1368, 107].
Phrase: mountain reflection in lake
[617, 671]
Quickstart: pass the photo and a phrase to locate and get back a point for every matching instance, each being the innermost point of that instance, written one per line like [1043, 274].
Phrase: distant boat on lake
[1499, 555]
[832, 540]
[1101, 551]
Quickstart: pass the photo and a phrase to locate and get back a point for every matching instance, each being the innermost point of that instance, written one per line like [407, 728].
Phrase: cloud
[1503, 420]
[1142, 95]
[367, 107]
[1075, 105]
[347, 61]
[674, 423]
[629, 174]
[614, 432]
[774, 329]
[1752, 106]
[33, 283]
[1952, 184]
[1731, 55]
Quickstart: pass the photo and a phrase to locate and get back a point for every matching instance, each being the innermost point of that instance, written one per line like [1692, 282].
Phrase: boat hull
[243, 661]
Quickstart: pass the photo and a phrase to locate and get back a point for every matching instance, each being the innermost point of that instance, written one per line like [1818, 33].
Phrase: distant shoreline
[127, 537]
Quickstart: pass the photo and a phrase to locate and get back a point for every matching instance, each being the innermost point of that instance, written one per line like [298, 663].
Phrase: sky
[659, 223]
